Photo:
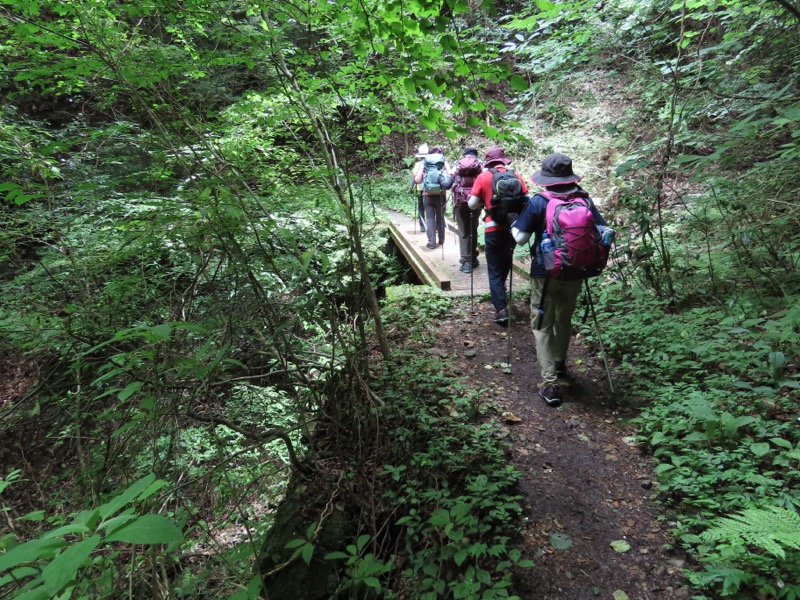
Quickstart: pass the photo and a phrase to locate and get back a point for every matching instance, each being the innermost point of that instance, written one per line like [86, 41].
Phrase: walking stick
[471, 261]
[599, 339]
[508, 304]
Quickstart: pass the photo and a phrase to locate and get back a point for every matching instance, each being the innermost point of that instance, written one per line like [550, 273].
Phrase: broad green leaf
[439, 517]
[116, 522]
[307, 553]
[29, 552]
[65, 566]
[760, 448]
[111, 507]
[130, 390]
[460, 556]
[518, 83]
[489, 131]
[782, 443]
[147, 529]
[66, 529]
[36, 515]
[161, 332]
[372, 582]
[18, 575]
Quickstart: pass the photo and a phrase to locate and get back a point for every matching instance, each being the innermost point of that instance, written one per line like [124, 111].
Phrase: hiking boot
[465, 268]
[430, 246]
[501, 316]
[475, 263]
[551, 395]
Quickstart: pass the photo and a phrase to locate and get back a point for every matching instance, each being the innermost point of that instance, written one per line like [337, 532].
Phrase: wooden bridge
[439, 267]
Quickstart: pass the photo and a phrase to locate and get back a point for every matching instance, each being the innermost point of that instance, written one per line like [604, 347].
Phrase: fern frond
[771, 528]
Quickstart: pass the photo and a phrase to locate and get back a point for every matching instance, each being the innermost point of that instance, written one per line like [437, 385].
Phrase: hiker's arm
[521, 237]
[474, 203]
[529, 220]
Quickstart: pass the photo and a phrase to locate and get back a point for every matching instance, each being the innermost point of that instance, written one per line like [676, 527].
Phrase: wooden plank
[424, 270]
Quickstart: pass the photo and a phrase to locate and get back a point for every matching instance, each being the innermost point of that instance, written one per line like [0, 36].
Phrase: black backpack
[508, 199]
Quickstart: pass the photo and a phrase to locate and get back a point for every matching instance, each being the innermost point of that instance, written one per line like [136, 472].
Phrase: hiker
[466, 170]
[416, 188]
[497, 237]
[434, 175]
[553, 299]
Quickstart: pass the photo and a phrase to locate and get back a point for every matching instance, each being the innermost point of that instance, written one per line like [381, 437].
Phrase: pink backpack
[467, 170]
[579, 251]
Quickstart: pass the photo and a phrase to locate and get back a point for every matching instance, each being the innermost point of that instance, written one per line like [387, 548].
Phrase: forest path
[585, 483]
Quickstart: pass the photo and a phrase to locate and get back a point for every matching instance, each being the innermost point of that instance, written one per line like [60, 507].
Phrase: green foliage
[460, 508]
[416, 308]
[78, 556]
[363, 569]
[770, 529]
[718, 414]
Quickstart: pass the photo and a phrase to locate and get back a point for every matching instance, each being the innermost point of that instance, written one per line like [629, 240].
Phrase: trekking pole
[599, 339]
[508, 304]
[471, 261]
[415, 211]
[442, 228]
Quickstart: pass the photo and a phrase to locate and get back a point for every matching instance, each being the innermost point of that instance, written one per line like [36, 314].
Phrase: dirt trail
[585, 482]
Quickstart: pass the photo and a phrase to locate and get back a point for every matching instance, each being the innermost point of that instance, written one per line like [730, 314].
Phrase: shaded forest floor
[585, 482]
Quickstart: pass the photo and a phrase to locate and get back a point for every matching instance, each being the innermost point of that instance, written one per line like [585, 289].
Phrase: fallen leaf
[620, 595]
[510, 417]
[560, 541]
[620, 546]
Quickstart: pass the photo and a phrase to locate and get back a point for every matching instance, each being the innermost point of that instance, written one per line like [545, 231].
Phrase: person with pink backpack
[466, 170]
[569, 246]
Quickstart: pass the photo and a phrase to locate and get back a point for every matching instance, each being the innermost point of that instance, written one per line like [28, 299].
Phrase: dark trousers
[499, 254]
[467, 222]
[434, 219]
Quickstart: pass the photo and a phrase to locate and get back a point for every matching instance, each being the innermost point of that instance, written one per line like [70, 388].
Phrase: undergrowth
[717, 389]
[449, 483]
